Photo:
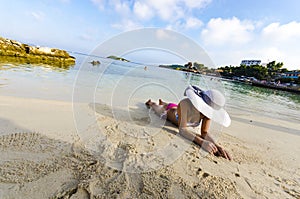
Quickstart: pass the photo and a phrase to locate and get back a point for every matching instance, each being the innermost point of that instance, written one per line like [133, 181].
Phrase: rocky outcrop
[13, 51]
[95, 62]
[118, 58]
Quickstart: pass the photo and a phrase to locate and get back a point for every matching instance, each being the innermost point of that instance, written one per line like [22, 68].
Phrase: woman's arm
[205, 135]
[205, 140]
[204, 130]
[182, 112]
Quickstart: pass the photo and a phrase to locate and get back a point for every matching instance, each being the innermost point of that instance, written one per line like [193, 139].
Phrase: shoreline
[45, 150]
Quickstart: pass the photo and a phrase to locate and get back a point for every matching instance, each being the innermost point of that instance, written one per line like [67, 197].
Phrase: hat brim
[220, 116]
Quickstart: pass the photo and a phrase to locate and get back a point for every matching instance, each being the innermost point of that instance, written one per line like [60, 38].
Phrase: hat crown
[210, 103]
[215, 96]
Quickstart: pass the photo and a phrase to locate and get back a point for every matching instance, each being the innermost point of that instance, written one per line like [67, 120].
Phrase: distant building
[292, 74]
[250, 62]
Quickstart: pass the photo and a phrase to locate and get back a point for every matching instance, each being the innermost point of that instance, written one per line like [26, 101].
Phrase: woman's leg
[171, 116]
[158, 109]
[161, 108]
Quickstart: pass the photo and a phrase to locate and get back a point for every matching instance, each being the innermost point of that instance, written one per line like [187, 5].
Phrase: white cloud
[65, 1]
[282, 33]
[172, 10]
[175, 9]
[267, 42]
[270, 53]
[177, 13]
[39, 16]
[164, 35]
[197, 3]
[121, 7]
[122, 13]
[126, 25]
[187, 24]
[220, 31]
[283, 42]
[167, 10]
[193, 22]
[99, 3]
[143, 11]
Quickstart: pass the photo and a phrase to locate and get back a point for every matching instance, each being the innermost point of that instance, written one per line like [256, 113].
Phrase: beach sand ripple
[57, 169]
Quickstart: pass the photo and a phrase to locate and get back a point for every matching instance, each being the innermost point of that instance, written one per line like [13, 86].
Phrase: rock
[14, 51]
[94, 63]
[118, 58]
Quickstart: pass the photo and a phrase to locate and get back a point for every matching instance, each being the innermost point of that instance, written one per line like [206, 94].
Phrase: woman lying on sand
[199, 107]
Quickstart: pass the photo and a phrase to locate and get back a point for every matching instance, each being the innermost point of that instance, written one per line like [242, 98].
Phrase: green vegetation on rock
[16, 52]
[117, 58]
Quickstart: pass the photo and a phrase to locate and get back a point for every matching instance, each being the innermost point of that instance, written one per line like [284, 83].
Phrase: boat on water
[243, 79]
[277, 87]
[265, 84]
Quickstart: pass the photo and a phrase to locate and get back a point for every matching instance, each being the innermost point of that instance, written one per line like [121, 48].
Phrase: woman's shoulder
[185, 102]
[187, 105]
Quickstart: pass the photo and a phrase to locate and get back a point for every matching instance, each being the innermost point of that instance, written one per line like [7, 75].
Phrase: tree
[283, 70]
[257, 71]
[199, 66]
[278, 66]
[274, 68]
[271, 65]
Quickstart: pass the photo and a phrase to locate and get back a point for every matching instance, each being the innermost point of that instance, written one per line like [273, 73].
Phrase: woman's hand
[215, 149]
[222, 152]
[209, 146]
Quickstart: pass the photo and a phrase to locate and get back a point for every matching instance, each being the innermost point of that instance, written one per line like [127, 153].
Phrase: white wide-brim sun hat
[210, 103]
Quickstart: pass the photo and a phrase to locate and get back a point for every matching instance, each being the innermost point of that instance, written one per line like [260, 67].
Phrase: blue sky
[227, 30]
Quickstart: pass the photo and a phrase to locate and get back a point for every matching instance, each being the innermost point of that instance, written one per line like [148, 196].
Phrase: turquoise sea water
[124, 84]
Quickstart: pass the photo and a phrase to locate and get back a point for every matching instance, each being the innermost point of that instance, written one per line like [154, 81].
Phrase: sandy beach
[42, 155]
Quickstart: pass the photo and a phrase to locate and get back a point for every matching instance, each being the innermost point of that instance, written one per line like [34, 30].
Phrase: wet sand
[44, 154]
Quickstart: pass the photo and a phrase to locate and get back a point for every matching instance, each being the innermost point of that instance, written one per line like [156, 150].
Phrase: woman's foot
[149, 103]
[160, 102]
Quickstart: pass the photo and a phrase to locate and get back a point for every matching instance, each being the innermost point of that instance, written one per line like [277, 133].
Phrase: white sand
[42, 155]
